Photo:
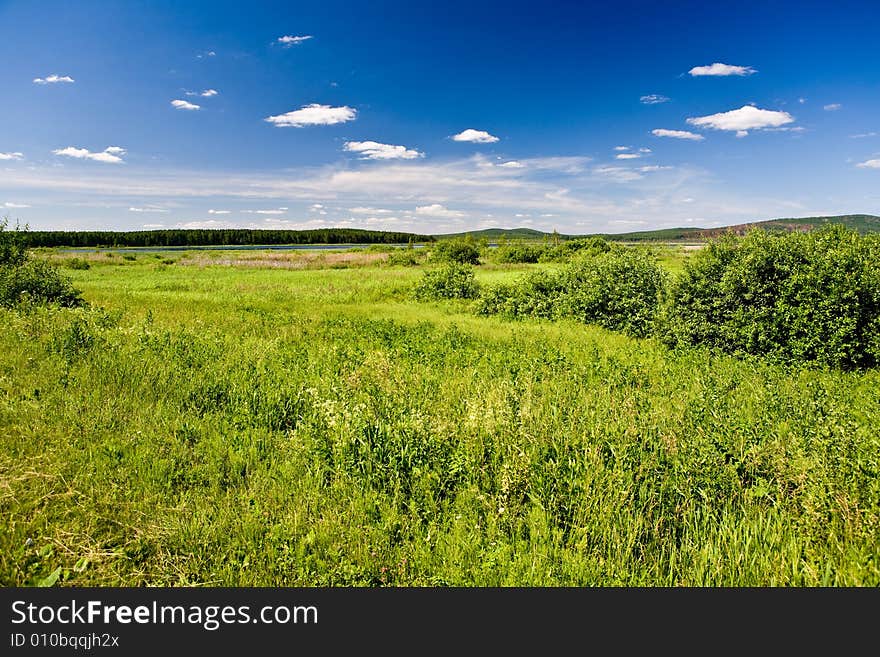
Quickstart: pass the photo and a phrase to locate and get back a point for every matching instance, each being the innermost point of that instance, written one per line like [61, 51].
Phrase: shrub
[518, 253]
[23, 279]
[408, 257]
[620, 290]
[462, 251]
[453, 281]
[36, 281]
[589, 246]
[796, 297]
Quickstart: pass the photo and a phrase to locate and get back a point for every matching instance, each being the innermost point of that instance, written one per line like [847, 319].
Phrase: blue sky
[436, 117]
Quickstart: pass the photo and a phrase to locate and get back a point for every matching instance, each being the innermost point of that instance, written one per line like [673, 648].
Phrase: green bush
[24, 279]
[588, 246]
[453, 281]
[462, 251]
[797, 297]
[518, 253]
[619, 289]
[408, 257]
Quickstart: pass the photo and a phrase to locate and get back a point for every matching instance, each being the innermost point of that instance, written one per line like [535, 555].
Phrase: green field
[251, 419]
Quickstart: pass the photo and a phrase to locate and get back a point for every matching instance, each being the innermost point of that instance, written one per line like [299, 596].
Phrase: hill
[863, 223]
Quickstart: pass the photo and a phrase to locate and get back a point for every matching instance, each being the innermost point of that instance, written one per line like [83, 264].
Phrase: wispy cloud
[833, 107]
[207, 93]
[54, 79]
[15, 205]
[313, 114]
[475, 136]
[747, 117]
[110, 155]
[653, 99]
[512, 164]
[149, 208]
[719, 69]
[621, 148]
[373, 150]
[869, 164]
[677, 134]
[219, 211]
[206, 53]
[184, 105]
[275, 211]
[289, 40]
[627, 156]
[11, 156]
[863, 135]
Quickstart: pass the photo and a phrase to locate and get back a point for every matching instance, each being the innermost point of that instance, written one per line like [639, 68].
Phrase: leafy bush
[619, 290]
[797, 297]
[408, 257]
[24, 279]
[518, 253]
[462, 251]
[453, 281]
[589, 246]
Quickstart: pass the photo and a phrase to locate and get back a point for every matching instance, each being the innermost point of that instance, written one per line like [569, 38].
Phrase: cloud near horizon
[313, 114]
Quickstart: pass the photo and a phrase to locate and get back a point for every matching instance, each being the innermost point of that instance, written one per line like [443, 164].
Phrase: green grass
[223, 425]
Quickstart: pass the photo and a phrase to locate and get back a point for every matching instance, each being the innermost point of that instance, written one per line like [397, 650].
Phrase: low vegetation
[219, 424]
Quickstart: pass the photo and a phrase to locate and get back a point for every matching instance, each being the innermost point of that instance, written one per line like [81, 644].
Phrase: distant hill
[863, 223]
[497, 233]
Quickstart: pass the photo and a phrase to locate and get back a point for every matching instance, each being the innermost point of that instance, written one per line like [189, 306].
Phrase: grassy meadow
[266, 418]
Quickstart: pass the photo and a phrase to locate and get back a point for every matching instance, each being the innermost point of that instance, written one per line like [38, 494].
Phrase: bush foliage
[796, 297]
[462, 251]
[453, 281]
[24, 279]
[619, 289]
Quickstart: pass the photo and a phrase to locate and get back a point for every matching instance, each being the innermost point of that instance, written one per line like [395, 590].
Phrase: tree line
[216, 237]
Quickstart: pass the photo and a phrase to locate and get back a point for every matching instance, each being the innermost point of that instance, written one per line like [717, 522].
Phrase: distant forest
[218, 237]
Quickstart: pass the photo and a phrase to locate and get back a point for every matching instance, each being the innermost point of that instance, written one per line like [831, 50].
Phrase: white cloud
[512, 164]
[147, 209]
[833, 107]
[210, 223]
[859, 136]
[289, 40]
[184, 105]
[313, 114]
[437, 210]
[721, 69]
[653, 99]
[207, 53]
[747, 117]
[645, 150]
[802, 100]
[219, 211]
[53, 79]
[621, 148]
[363, 210]
[110, 155]
[869, 164]
[153, 226]
[653, 167]
[627, 156]
[677, 134]
[11, 156]
[475, 136]
[15, 205]
[207, 93]
[617, 174]
[278, 211]
[373, 150]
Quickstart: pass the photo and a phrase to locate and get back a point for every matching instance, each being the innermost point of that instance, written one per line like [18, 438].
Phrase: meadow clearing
[300, 419]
